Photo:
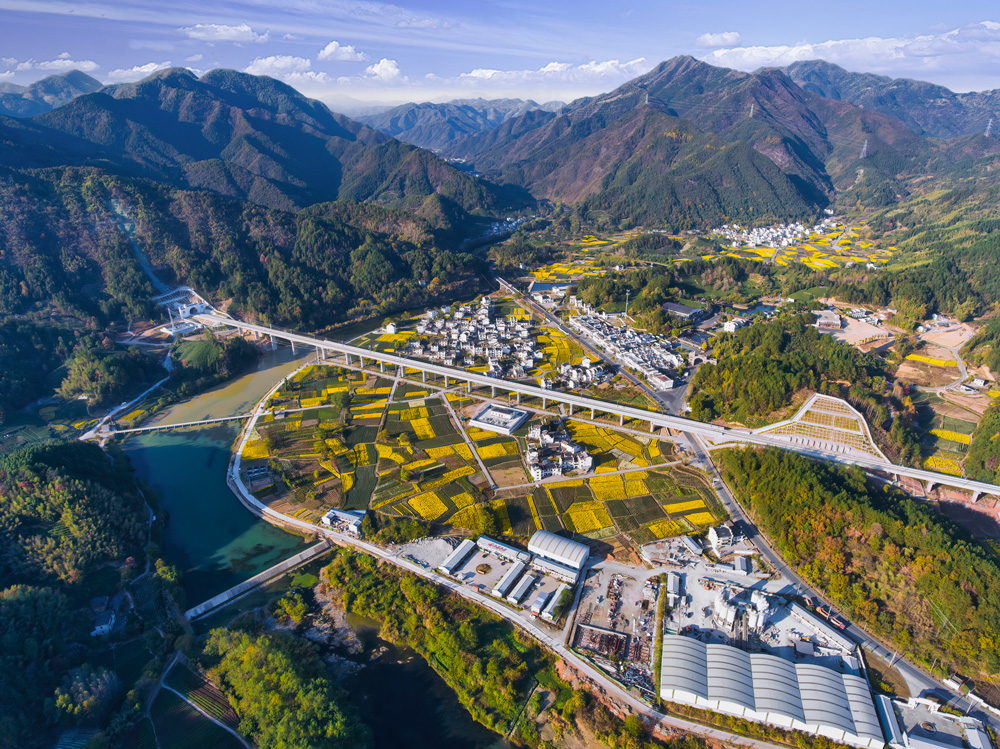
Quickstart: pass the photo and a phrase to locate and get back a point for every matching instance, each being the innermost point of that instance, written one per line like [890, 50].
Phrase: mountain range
[437, 126]
[687, 145]
[923, 107]
[46, 94]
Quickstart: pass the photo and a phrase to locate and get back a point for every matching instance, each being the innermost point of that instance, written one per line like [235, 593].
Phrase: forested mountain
[708, 144]
[437, 126]
[243, 136]
[923, 107]
[68, 236]
[46, 94]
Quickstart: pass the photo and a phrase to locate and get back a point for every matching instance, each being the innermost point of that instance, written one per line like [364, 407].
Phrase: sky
[356, 53]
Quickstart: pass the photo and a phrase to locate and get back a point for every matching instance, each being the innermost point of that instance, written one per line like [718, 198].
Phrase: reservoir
[210, 536]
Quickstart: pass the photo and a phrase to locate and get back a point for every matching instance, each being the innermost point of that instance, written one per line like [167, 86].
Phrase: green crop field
[180, 726]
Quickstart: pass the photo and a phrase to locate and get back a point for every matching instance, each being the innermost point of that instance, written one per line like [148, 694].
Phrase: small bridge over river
[110, 431]
[257, 580]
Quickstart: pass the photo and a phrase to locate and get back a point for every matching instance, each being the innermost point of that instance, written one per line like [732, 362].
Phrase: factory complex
[540, 579]
[768, 689]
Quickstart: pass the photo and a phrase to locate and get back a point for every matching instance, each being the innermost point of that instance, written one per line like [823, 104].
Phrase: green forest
[69, 516]
[762, 366]
[65, 508]
[488, 664]
[893, 564]
[279, 686]
[69, 244]
[982, 462]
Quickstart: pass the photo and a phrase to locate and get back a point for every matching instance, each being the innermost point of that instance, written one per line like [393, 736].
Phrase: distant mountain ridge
[245, 137]
[437, 126]
[691, 142]
[925, 108]
[46, 94]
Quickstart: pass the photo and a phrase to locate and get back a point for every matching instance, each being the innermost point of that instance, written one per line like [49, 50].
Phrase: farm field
[946, 432]
[180, 726]
[202, 693]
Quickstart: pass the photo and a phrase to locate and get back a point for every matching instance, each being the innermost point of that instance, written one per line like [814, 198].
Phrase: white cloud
[965, 49]
[6, 75]
[278, 66]
[136, 72]
[610, 71]
[721, 39]
[291, 37]
[342, 52]
[218, 32]
[384, 70]
[195, 58]
[62, 63]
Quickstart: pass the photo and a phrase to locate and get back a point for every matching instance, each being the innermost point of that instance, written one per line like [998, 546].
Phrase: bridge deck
[709, 432]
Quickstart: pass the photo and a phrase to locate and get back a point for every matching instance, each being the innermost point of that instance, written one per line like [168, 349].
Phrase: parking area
[483, 570]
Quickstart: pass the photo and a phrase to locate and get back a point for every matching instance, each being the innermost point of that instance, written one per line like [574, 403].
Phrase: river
[426, 713]
[209, 535]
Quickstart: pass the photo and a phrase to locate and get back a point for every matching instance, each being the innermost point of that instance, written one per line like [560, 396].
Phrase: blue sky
[351, 51]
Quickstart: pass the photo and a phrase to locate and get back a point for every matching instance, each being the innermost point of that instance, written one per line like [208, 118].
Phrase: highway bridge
[715, 436]
[157, 427]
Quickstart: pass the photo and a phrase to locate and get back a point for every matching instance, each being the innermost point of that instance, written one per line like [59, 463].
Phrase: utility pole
[989, 126]
[864, 149]
[627, 293]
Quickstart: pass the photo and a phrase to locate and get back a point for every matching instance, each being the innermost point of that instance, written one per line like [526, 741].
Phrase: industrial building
[919, 724]
[503, 551]
[558, 556]
[499, 419]
[768, 689]
[549, 614]
[505, 583]
[457, 557]
[521, 589]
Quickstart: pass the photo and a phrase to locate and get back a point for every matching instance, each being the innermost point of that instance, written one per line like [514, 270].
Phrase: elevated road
[710, 434]
[158, 427]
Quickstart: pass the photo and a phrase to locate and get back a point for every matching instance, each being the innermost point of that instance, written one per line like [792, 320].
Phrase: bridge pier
[543, 403]
[592, 415]
[621, 420]
[293, 346]
[570, 409]
[519, 399]
[929, 485]
[446, 380]
[493, 390]
[423, 375]
[347, 360]
[274, 343]
[381, 366]
[975, 496]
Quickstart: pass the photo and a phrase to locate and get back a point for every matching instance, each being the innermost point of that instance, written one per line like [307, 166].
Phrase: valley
[571, 403]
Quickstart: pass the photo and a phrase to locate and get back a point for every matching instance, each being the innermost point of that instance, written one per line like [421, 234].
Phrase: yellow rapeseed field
[439, 452]
[944, 434]
[701, 518]
[676, 507]
[665, 528]
[429, 505]
[944, 465]
[932, 360]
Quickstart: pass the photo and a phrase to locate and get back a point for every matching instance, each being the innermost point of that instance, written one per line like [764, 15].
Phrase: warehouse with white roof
[558, 556]
[767, 689]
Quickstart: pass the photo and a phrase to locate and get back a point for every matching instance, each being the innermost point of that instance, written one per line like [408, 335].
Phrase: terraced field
[180, 726]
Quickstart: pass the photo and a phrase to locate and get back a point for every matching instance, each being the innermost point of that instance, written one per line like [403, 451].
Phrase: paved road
[549, 639]
[918, 682]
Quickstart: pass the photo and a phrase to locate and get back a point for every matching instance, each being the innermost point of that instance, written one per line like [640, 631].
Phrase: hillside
[437, 126]
[652, 149]
[68, 236]
[242, 136]
[46, 94]
[923, 107]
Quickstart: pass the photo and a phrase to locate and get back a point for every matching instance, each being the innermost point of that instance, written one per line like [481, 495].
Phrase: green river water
[209, 535]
